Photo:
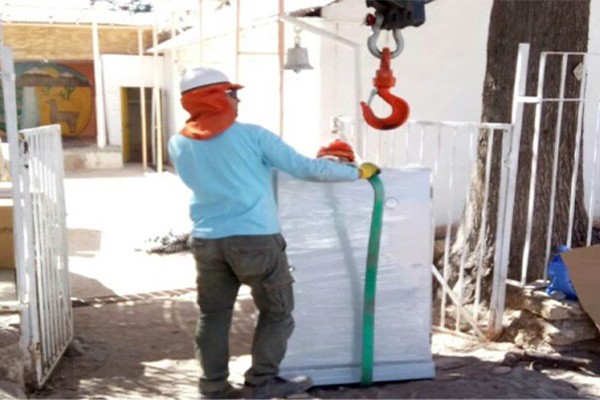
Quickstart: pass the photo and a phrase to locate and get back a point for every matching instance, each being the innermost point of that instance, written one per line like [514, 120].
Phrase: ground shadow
[129, 350]
[85, 289]
[462, 377]
[140, 349]
[145, 349]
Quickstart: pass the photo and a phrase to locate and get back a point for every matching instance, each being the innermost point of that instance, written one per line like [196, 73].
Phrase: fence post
[507, 194]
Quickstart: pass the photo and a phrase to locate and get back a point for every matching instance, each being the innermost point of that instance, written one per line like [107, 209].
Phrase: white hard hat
[198, 77]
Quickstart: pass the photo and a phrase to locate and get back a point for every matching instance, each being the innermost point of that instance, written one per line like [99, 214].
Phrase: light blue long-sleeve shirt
[230, 177]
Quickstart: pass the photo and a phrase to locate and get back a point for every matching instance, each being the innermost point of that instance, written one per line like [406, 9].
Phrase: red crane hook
[383, 81]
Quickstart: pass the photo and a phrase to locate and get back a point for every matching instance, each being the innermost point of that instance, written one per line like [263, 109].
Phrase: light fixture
[297, 56]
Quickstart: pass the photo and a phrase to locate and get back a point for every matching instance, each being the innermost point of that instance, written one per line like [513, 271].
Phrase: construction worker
[236, 235]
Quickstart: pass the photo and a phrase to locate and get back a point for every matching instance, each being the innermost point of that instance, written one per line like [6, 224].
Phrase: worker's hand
[367, 170]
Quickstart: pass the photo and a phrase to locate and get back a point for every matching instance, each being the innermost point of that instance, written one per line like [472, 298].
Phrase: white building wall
[123, 71]
[305, 96]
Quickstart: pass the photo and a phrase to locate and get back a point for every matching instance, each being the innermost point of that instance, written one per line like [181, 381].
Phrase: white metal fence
[37, 172]
[450, 150]
[551, 99]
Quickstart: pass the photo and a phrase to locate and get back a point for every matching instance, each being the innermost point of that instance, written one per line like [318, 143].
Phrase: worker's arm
[282, 156]
[343, 152]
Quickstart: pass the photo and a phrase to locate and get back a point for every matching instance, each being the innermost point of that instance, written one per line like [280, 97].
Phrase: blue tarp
[558, 275]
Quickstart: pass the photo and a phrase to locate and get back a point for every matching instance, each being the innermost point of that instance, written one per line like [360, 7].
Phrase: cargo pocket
[261, 263]
[278, 287]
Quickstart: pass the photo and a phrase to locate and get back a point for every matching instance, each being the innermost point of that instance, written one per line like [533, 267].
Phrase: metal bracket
[399, 14]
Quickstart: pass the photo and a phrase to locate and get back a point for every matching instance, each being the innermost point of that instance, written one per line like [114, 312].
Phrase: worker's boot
[229, 392]
[279, 387]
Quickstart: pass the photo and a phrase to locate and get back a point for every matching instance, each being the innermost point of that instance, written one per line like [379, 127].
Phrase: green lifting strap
[371, 283]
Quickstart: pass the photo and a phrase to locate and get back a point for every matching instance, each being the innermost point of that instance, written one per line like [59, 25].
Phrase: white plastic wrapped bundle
[327, 227]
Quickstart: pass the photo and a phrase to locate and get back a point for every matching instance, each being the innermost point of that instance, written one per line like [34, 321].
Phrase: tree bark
[559, 25]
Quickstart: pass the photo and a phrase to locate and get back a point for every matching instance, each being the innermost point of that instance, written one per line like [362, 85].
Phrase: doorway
[132, 124]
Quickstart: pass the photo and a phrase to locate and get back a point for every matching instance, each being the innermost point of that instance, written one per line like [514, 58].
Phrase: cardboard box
[7, 249]
[583, 264]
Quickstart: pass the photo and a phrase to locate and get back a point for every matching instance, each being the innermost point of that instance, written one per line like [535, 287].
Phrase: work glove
[367, 170]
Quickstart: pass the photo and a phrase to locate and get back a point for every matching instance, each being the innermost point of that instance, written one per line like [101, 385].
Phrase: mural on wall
[52, 93]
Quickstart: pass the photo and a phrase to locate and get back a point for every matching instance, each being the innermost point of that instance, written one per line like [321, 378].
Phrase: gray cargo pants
[223, 265]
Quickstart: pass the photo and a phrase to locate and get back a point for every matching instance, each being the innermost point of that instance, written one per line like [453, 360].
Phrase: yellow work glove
[367, 170]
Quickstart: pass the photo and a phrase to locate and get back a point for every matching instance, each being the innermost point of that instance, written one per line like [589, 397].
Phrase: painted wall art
[55, 93]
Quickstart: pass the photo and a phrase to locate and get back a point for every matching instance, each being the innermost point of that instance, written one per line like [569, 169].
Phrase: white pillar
[99, 88]
[143, 101]
[157, 104]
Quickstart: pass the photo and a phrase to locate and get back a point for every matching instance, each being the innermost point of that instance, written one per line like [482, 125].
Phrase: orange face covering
[211, 112]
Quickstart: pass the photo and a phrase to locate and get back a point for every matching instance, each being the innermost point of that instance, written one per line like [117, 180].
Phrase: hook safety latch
[383, 81]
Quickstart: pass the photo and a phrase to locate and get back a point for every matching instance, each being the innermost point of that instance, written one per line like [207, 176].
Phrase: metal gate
[37, 172]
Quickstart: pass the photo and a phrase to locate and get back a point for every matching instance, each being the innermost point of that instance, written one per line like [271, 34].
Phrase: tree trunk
[559, 25]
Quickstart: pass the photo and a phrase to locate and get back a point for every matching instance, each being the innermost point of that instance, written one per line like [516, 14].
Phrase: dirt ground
[135, 324]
